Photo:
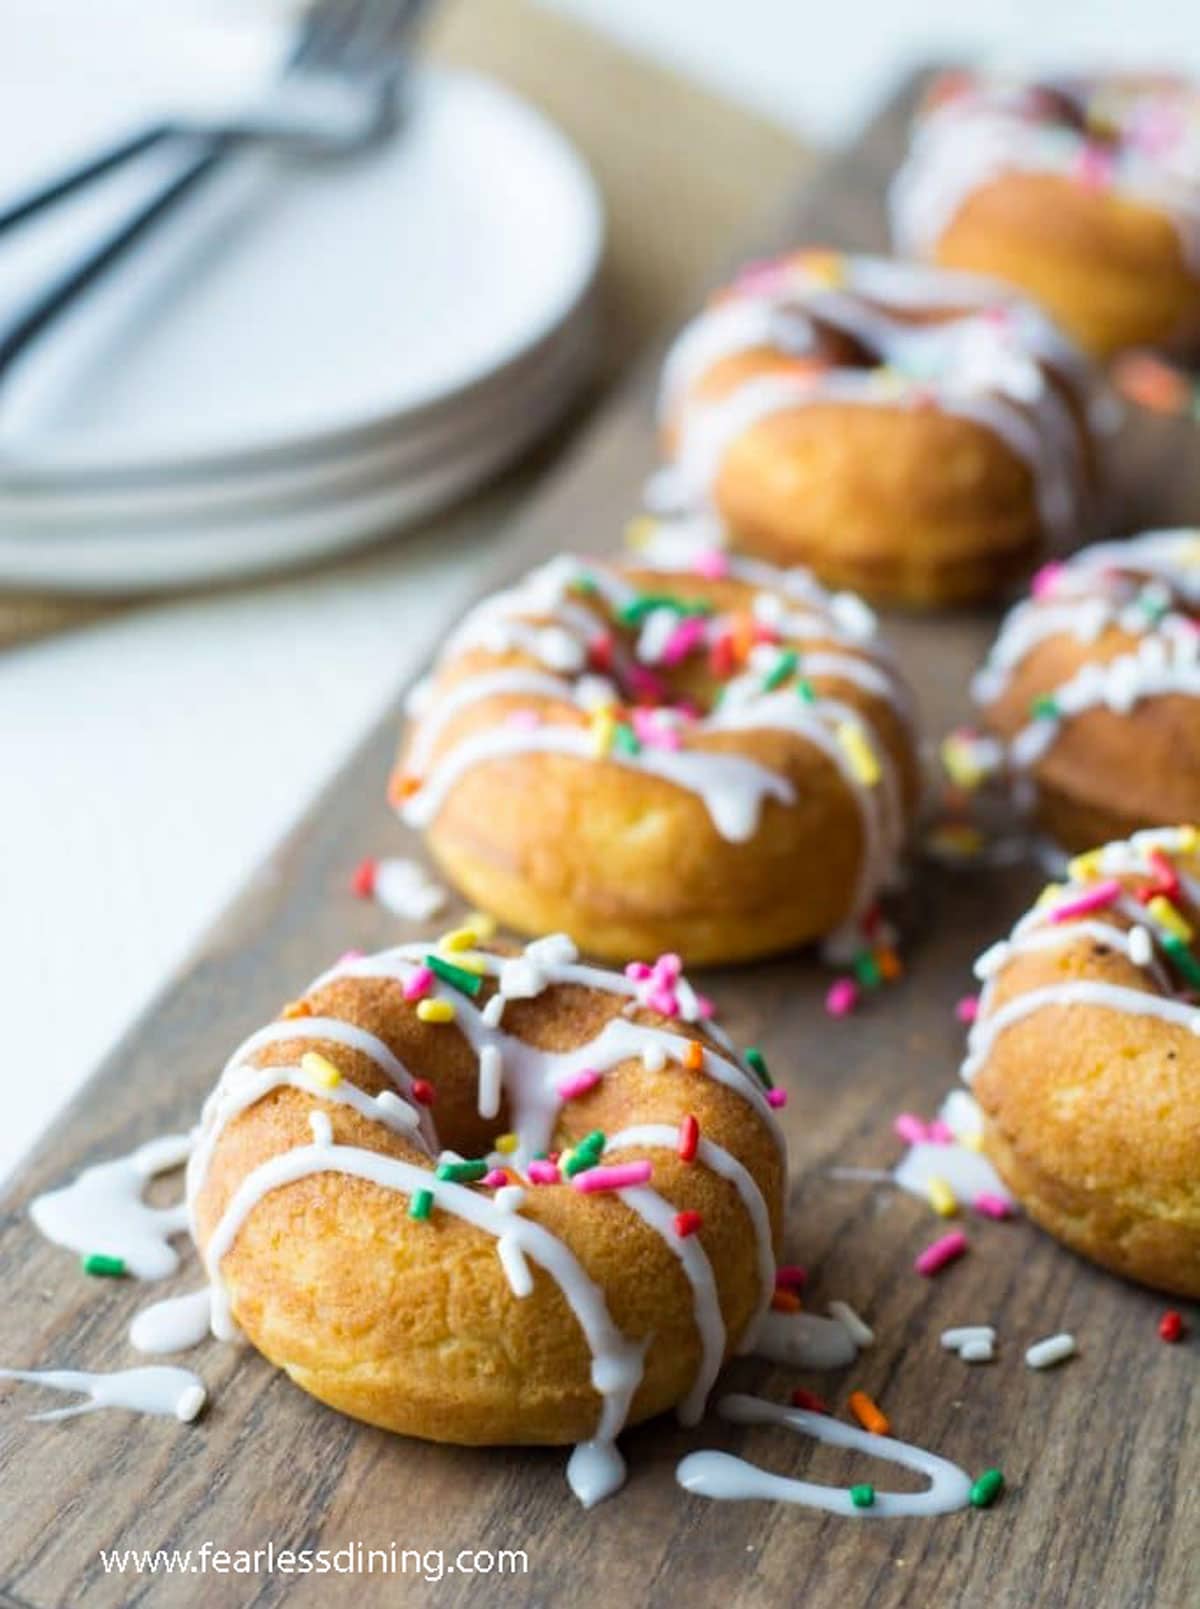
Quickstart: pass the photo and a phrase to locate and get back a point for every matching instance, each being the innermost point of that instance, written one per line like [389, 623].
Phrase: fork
[337, 92]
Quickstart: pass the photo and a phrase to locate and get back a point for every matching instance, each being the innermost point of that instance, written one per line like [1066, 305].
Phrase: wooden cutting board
[1102, 1456]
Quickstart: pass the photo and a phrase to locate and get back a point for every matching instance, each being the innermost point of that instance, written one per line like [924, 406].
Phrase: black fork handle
[84, 173]
[97, 259]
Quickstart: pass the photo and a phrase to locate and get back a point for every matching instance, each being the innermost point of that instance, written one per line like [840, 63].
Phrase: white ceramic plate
[293, 309]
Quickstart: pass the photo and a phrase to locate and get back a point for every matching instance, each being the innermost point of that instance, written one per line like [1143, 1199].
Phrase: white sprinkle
[654, 1057]
[977, 1352]
[520, 979]
[493, 1011]
[397, 1113]
[555, 950]
[861, 1334]
[1054, 1349]
[405, 888]
[489, 1081]
[853, 615]
[509, 1197]
[322, 1128]
[516, 1269]
[190, 1404]
[1140, 948]
[952, 1340]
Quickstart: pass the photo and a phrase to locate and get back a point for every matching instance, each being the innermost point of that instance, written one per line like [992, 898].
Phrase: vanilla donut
[1085, 1057]
[715, 759]
[918, 435]
[600, 1237]
[1093, 685]
[1083, 191]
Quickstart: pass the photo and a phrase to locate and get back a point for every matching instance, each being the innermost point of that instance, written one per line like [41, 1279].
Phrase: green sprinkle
[421, 1204]
[105, 1267]
[586, 584]
[987, 1489]
[625, 739]
[636, 610]
[457, 977]
[1045, 708]
[1154, 608]
[461, 1172]
[804, 689]
[586, 1154]
[863, 1496]
[1182, 957]
[783, 667]
[758, 1063]
[866, 970]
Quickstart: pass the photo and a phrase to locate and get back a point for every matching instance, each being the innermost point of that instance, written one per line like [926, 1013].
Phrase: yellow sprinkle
[960, 764]
[859, 753]
[603, 730]
[1167, 915]
[942, 1199]
[639, 531]
[468, 961]
[973, 1142]
[1049, 894]
[826, 268]
[1189, 837]
[506, 1144]
[435, 1010]
[481, 923]
[320, 1069]
[955, 838]
[1084, 867]
[459, 938]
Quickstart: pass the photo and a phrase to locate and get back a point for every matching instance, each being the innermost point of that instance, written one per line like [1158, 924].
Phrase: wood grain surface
[1102, 1456]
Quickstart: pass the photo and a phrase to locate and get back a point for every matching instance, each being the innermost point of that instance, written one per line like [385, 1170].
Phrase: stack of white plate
[309, 357]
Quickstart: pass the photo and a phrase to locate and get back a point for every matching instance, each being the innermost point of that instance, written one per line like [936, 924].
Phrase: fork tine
[381, 43]
[322, 34]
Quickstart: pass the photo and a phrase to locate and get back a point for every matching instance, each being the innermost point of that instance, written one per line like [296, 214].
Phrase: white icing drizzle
[102, 1211]
[1129, 586]
[722, 1475]
[174, 1325]
[986, 361]
[733, 788]
[974, 138]
[173, 1393]
[1037, 930]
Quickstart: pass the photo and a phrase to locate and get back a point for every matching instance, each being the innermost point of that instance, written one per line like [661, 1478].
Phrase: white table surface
[150, 761]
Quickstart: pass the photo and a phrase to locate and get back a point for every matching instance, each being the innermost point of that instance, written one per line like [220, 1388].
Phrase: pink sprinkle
[777, 1098]
[669, 966]
[791, 1277]
[419, 985]
[910, 1128]
[712, 564]
[616, 1177]
[1047, 578]
[348, 956]
[579, 1083]
[523, 720]
[543, 1171]
[646, 684]
[842, 997]
[637, 970]
[1094, 898]
[662, 1000]
[944, 1251]
[967, 1008]
[992, 1206]
[1094, 168]
[939, 1133]
[496, 1179]
[705, 1006]
[687, 636]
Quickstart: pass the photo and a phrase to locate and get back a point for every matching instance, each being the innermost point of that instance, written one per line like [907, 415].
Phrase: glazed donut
[1084, 191]
[506, 1299]
[1093, 685]
[715, 759]
[1085, 1058]
[917, 435]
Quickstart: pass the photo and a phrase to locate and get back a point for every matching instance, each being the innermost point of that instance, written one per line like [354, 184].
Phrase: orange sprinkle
[402, 787]
[869, 1414]
[296, 1008]
[1156, 385]
[785, 1302]
[889, 963]
[693, 1056]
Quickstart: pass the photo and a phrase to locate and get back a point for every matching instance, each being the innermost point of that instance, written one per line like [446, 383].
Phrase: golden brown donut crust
[1108, 268]
[1092, 1116]
[413, 1326]
[628, 863]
